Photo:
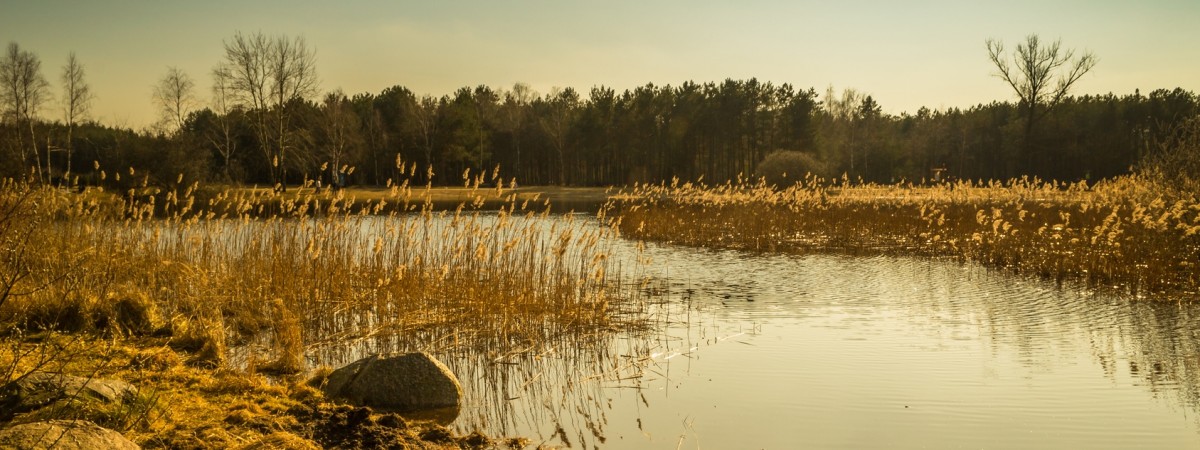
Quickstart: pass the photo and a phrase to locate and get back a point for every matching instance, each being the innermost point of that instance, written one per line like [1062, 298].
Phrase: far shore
[438, 193]
[561, 198]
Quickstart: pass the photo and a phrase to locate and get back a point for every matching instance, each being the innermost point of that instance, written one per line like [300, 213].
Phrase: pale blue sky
[906, 54]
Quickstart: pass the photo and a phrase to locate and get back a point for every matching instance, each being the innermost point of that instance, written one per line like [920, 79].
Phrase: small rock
[40, 389]
[63, 435]
[400, 383]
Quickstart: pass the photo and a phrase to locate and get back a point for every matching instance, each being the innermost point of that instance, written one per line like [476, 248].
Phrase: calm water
[754, 351]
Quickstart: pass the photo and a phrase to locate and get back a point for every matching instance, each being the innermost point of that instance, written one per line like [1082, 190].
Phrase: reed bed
[1128, 232]
[280, 276]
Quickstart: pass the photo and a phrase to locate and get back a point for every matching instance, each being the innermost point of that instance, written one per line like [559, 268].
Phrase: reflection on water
[752, 351]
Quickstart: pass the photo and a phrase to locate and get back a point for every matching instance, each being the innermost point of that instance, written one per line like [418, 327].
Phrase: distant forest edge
[716, 130]
[648, 134]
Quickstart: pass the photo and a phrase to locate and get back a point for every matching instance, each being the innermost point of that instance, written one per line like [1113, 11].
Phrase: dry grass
[448, 195]
[300, 270]
[1127, 232]
[268, 280]
[183, 406]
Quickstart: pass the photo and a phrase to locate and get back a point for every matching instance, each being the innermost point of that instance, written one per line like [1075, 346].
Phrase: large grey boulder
[401, 383]
[36, 390]
[63, 435]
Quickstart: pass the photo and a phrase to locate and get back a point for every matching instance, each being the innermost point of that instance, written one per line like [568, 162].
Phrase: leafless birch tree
[77, 101]
[268, 74]
[175, 97]
[24, 92]
[340, 135]
[223, 138]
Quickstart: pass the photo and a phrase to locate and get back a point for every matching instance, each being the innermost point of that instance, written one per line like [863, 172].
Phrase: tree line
[266, 123]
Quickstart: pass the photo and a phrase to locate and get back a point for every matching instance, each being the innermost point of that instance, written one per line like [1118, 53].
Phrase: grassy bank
[183, 406]
[1129, 232]
[237, 283]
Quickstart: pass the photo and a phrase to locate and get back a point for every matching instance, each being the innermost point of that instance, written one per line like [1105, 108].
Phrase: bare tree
[1041, 75]
[563, 104]
[244, 74]
[24, 91]
[516, 108]
[339, 131]
[426, 112]
[485, 104]
[268, 75]
[842, 122]
[223, 139]
[293, 77]
[77, 101]
[843, 108]
[175, 97]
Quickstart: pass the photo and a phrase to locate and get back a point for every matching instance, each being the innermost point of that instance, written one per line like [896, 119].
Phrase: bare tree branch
[175, 97]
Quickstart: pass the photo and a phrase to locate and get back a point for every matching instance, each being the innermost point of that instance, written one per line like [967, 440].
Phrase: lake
[821, 351]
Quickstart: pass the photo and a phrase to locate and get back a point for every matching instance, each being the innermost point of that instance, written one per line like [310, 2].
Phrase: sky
[906, 54]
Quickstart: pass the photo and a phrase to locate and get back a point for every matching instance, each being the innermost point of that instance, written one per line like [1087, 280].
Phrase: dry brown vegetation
[1129, 232]
[182, 406]
[279, 277]
[194, 293]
